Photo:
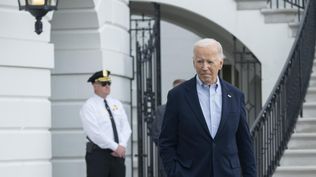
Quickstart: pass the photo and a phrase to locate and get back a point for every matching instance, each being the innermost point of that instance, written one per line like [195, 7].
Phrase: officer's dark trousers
[100, 163]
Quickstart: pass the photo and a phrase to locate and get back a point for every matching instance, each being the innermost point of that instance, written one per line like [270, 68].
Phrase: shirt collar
[98, 97]
[203, 85]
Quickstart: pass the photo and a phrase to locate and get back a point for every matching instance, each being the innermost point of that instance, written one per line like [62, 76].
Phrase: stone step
[295, 171]
[314, 67]
[306, 125]
[251, 4]
[309, 109]
[311, 94]
[298, 157]
[279, 15]
[303, 141]
[312, 81]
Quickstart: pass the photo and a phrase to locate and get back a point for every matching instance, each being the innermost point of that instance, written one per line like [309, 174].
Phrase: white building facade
[43, 77]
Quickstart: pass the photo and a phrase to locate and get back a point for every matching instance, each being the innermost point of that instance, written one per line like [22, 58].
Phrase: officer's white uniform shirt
[97, 124]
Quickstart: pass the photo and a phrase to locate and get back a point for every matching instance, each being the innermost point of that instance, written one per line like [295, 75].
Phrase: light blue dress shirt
[210, 98]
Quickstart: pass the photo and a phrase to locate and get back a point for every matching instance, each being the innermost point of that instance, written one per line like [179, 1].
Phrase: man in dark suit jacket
[204, 132]
[156, 127]
[159, 113]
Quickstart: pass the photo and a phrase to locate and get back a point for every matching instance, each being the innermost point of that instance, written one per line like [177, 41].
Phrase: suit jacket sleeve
[245, 145]
[156, 126]
[169, 134]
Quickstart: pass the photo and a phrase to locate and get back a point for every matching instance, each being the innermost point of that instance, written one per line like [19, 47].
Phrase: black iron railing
[145, 34]
[294, 4]
[276, 121]
[247, 77]
[287, 3]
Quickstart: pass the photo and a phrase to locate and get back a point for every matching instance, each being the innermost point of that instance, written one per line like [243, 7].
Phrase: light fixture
[38, 8]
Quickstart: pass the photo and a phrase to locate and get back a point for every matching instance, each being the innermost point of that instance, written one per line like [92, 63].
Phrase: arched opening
[241, 68]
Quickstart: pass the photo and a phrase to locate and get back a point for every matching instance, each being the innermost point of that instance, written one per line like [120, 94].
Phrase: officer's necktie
[116, 139]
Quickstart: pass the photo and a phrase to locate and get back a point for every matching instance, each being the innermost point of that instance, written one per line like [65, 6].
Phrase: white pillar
[25, 110]
[89, 35]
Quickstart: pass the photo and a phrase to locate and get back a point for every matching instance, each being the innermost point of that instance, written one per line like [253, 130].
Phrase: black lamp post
[38, 8]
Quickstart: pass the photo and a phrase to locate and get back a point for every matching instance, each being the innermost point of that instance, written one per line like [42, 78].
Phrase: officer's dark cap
[100, 76]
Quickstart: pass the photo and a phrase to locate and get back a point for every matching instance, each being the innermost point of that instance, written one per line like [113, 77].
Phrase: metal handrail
[286, 4]
[275, 123]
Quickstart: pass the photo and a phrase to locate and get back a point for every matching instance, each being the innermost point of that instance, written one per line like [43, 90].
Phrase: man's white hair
[209, 42]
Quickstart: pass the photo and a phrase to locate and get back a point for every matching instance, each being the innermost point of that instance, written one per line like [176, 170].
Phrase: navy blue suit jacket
[186, 146]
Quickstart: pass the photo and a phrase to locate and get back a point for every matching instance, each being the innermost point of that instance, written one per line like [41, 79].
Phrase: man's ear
[221, 63]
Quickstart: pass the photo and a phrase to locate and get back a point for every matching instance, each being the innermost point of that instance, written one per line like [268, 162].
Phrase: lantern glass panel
[36, 2]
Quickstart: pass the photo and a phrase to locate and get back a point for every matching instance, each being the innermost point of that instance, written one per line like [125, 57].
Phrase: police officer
[107, 128]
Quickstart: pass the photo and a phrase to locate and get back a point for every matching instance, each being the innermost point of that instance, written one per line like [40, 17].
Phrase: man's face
[102, 89]
[207, 63]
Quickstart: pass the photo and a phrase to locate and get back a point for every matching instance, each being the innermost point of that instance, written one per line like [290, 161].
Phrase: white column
[89, 35]
[25, 110]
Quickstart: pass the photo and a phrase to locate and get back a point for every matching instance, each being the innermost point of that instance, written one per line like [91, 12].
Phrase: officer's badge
[115, 107]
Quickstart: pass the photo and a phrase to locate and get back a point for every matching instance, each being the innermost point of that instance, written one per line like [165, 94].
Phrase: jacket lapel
[227, 97]
[193, 100]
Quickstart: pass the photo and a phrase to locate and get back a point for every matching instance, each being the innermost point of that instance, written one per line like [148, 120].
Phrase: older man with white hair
[205, 131]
